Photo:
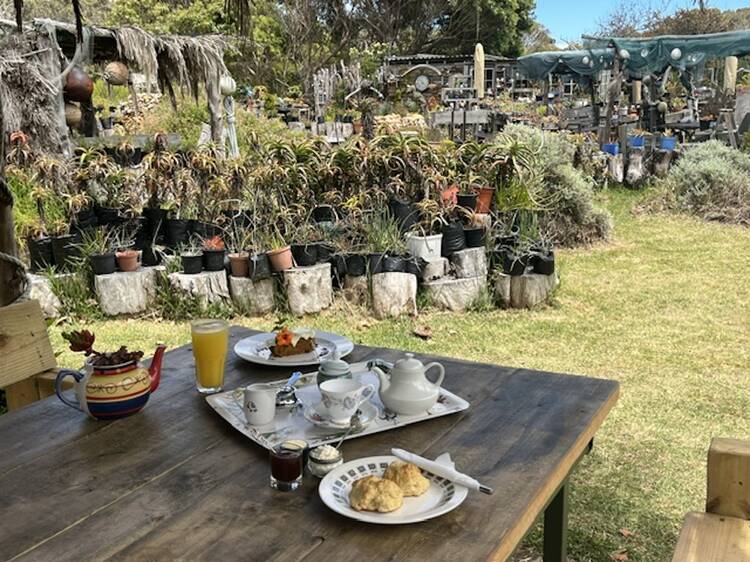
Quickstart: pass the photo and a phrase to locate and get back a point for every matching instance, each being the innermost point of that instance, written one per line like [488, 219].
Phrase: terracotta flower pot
[280, 258]
[239, 264]
[449, 196]
[484, 199]
[128, 260]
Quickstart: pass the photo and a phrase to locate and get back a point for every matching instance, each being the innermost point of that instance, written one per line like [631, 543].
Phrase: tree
[693, 22]
[537, 39]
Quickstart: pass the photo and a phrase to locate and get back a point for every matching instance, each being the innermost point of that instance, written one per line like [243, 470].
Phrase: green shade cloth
[586, 62]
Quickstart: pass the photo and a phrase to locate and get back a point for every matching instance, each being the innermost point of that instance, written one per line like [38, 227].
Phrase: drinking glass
[286, 466]
[210, 342]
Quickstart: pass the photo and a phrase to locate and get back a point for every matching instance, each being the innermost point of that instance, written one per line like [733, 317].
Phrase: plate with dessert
[389, 491]
[293, 348]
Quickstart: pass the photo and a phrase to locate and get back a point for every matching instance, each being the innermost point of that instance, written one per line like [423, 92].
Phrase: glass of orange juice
[210, 342]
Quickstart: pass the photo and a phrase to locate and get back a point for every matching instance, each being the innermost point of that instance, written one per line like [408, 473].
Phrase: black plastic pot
[325, 251]
[142, 237]
[305, 254]
[85, 219]
[259, 267]
[151, 257]
[40, 253]
[404, 213]
[454, 238]
[213, 260]
[474, 237]
[324, 213]
[192, 263]
[103, 264]
[178, 232]
[356, 265]
[237, 218]
[156, 223]
[392, 264]
[414, 265]
[544, 264]
[338, 269]
[108, 216]
[513, 264]
[467, 200]
[65, 250]
[204, 230]
[509, 241]
[375, 263]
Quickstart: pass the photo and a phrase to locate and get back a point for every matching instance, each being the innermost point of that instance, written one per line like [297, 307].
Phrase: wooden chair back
[25, 354]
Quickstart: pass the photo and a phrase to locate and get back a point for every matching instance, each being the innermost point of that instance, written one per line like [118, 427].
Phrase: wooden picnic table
[175, 481]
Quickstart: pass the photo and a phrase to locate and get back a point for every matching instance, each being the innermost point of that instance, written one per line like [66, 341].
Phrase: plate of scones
[389, 491]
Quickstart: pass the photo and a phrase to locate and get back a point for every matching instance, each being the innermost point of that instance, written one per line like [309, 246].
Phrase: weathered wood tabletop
[175, 481]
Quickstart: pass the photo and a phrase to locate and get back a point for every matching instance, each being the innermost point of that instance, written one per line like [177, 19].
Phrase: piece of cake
[372, 493]
[293, 342]
[408, 477]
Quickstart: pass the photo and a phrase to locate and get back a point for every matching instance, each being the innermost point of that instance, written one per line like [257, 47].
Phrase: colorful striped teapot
[112, 391]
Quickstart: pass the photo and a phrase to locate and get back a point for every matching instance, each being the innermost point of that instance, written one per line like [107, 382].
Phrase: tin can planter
[543, 264]
[305, 255]
[192, 263]
[281, 259]
[467, 200]
[375, 263]
[178, 232]
[103, 264]
[484, 199]
[475, 237]
[393, 264]
[258, 267]
[356, 265]
[213, 260]
[128, 260]
[425, 247]
[40, 253]
[239, 264]
[454, 238]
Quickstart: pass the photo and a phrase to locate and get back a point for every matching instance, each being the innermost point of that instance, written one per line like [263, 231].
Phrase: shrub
[711, 181]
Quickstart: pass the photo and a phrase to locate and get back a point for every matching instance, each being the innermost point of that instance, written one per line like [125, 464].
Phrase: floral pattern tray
[290, 423]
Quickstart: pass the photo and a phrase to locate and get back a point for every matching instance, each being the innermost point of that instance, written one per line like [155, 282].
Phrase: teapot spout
[154, 370]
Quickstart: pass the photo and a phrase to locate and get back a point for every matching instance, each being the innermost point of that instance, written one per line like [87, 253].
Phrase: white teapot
[407, 390]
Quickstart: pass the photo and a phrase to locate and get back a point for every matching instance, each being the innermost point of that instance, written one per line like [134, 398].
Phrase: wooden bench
[722, 534]
[27, 362]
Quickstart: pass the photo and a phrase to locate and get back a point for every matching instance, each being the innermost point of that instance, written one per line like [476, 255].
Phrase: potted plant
[99, 247]
[239, 240]
[474, 229]
[384, 244]
[213, 253]
[467, 192]
[160, 167]
[543, 256]
[426, 238]
[305, 250]
[280, 255]
[183, 209]
[191, 257]
[128, 258]
[454, 238]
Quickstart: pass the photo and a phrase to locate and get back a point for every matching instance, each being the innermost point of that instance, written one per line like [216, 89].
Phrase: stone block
[209, 286]
[355, 289]
[453, 294]
[435, 268]
[502, 288]
[531, 289]
[40, 289]
[394, 294]
[308, 289]
[252, 297]
[126, 292]
[471, 262]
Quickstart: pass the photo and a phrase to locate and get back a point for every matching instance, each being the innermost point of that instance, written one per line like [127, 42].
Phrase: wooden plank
[21, 393]
[25, 349]
[176, 482]
[728, 490]
[713, 538]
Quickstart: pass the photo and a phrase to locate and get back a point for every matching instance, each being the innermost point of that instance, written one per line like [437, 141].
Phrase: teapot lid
[409, 364]
[334, 366]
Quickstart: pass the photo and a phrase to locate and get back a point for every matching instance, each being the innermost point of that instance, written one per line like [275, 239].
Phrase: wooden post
[613, 93]
[729, 478]
[215, 111]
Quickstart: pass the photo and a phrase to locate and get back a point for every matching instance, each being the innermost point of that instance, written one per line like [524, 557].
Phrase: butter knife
[442, 470]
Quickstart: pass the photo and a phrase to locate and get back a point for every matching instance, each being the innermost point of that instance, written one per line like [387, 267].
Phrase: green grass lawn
[664, 309]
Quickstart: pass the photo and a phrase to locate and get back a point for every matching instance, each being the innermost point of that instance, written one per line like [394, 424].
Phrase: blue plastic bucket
[636, 142]
[668, 143]
[611, 148]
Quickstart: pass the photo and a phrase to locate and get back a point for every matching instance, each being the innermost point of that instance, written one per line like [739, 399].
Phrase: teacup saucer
[316, 415]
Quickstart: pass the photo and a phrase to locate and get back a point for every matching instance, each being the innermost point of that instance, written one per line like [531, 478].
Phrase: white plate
[441, 497]
[256, 349]
[316, 415]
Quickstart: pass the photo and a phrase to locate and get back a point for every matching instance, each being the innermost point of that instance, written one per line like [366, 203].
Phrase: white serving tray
[290, 423]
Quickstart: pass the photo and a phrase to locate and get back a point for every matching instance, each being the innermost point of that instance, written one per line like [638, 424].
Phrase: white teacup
[342, 397]
[259, 403]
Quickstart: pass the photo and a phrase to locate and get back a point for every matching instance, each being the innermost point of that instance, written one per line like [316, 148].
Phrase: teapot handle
[59, 390]
[441, 376]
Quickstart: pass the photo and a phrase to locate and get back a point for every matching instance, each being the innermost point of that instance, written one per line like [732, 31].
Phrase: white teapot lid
[409, 364]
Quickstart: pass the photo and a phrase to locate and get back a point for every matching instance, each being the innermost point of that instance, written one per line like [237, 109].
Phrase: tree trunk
[12, 278]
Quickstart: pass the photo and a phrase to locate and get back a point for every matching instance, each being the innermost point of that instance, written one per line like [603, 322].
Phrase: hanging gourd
[227, 85]
[78, 85]
[116, 73]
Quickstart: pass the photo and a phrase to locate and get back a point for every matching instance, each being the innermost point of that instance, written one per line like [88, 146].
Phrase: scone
[373, 493]
[408, 477]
